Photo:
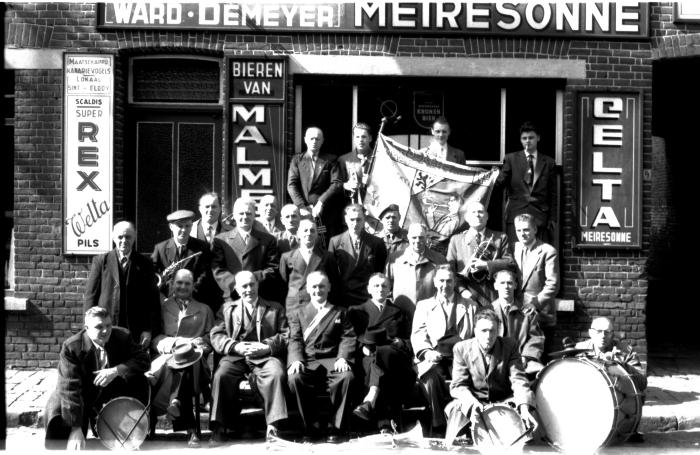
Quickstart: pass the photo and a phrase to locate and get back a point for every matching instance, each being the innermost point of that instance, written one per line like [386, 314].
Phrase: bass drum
[585, 404]
[499, 426]
[122, 424]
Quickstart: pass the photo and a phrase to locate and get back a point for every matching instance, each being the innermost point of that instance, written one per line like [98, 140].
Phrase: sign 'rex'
[88, 180]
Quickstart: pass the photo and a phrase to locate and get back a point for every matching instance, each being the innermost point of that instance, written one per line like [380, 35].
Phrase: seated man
[252, 338]
[438, 323]
[97, 364]
[518, 321]
[186, 322]
[321, 348]
[388, 358]
[487, 369]
[296, 265]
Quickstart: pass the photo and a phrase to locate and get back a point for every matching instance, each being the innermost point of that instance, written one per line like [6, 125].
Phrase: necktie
[182, 304]
[381, 307]
[293, 241]
[356, 246]
[179, 252]
[102, 360]
[313, 167]
[210, 235]
[123, 262]
[530, 176]
[478, 238]
[245, 239]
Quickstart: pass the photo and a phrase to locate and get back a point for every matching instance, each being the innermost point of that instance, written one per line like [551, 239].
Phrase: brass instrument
[320, 230]
[165, 275]
[484, 251]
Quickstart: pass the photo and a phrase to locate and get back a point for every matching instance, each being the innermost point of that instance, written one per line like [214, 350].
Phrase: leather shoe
[271, 433]
[636, 437]
[364, 411]
[193, 441]
[174, 408]
[335, 436]
[218, 436]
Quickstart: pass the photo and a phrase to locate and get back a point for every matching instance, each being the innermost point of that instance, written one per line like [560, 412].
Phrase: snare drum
[122, 424]
[499, 426]
[585, 404]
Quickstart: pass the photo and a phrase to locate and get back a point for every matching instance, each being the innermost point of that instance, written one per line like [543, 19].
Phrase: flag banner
[428, 191]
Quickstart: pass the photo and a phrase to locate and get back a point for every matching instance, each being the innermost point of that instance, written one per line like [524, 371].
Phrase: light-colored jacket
[539, 279]
[413, 281]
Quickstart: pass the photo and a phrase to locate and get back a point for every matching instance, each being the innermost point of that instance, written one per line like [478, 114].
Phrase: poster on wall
[88, 99]
[609, 158]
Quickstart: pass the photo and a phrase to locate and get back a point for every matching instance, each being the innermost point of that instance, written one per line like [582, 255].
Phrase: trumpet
[165, 275]
[484, 251]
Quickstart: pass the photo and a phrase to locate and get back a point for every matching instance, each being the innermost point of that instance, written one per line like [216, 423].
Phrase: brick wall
[601, 282]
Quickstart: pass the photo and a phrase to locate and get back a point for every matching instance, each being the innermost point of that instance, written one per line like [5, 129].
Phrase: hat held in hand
[374, 337]
[183, 356]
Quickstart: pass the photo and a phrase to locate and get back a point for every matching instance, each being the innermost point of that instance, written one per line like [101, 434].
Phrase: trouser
[391, 370]
[305, 384]
[434, 383]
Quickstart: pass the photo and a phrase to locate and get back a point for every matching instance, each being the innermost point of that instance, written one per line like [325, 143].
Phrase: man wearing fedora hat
[189, 253]
[186, 326]
[252, 338]
[388, 358]
[393, 235]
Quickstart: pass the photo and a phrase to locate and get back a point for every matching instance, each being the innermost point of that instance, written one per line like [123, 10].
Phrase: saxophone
[165, 275]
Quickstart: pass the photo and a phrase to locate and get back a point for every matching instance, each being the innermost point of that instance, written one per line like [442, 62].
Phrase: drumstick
[488, 427]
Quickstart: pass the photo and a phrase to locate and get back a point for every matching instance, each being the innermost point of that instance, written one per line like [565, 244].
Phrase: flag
[428, 191]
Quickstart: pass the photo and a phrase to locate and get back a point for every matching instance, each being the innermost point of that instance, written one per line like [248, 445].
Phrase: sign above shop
[609, 156]
[622, 19]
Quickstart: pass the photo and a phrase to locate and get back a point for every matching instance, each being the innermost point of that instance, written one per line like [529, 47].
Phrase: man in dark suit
[385, 332]
[358, 255]
[529, 179]
[287, 239]
[438, 148]
[196, 256]
[244, 248]
[321, 349]
[315, 182]
[296, 265]
[123, 281]
[476, 254]
[252, 338]
[97, 364]
[269, 209]
[210, 224]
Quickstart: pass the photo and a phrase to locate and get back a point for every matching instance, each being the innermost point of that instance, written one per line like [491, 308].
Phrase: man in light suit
[487, 369]
[252, 338]
[210, 224]
[529, 180]
[358, 255]
[244, 248]
[538, 263]
[474, 270]
[315, 182]
[296, 265]
[269, 209]
[439, 148]
[123, 282]
[438, 323]
[180, 246]
[321, 350]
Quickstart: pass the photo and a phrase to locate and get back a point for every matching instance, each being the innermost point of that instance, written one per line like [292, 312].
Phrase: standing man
[315, 182]
[210, 224]
[538, 263]
[529, 180]
[244, 248]
[477, 254]
[123, 281]
[321, 350]
[354, 165]
[438, 148]
[180, 247]
[393, 235]
[438, 323]
[269, 209]
[358, 255]
[296, 265]
[412, 273]
[98, 363]
[252, 338]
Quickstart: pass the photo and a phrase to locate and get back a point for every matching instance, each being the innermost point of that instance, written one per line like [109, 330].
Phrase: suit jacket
[75, 392]
[520, 323]
[460, 252]
[194, 325]
[331, 339]
[205, 287]
[199, 233]
[142, 301]
[412, 281]
[453, 155]
[277, 226]
[539, 200]
[505, 377]
[396, 320]
[294, 271]
[231, 256]
[429, 325]
[327, 181]
[272, 329]
[394, 246]
[539, 279]
[355, 272]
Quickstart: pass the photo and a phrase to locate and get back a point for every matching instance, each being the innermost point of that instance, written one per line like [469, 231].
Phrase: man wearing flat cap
[392, 234]
[182, 251]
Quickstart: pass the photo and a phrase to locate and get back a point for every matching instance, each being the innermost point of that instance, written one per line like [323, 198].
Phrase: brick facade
[602, 282]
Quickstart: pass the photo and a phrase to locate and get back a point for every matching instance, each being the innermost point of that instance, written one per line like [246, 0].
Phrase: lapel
[314, 261]
[252, 242]
[390, 311]
[236, 318]
[201, 235]
[460, 313]
[437, 321]
[495, 354]
[113, 265]
[305, 170]
[306, 315]
[327, 320]
[236, 242]
[170, 251]
[320, 163]
[538, 168]
[346, 243]
[522, 163]
[476, 359]
[90, 354]
[262, 309]
[532, 258]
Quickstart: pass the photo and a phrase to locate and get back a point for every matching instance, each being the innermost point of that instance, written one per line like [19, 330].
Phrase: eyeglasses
[606, 332]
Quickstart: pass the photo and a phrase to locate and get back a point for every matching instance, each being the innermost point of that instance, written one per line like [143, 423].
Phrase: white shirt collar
[534, 154]
[205, 225]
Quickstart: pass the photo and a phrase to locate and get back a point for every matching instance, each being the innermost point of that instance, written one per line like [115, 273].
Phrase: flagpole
[370, 168]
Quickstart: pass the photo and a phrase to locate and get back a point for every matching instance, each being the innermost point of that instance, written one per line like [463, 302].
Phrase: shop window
[164, 79]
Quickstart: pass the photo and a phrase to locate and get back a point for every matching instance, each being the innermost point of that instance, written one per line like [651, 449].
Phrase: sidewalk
[672, 403]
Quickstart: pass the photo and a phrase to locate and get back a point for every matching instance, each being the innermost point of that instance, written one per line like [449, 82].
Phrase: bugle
[161, 277]
[485, 252]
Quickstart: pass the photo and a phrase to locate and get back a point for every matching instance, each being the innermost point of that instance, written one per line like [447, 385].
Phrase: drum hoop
[145, 412]
[490, 406]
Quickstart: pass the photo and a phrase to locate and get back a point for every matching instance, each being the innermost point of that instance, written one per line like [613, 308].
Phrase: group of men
[294, 311]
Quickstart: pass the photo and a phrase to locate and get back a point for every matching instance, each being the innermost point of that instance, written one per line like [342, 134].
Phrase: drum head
[500, 427]
[122, 424]
[575, 404]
